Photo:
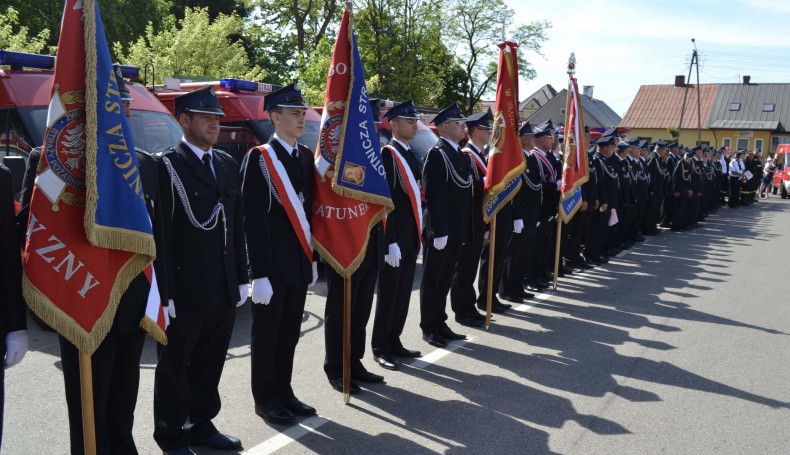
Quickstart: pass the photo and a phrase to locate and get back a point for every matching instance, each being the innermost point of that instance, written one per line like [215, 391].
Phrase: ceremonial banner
[575, 171]
[505, 160]
[351, 193]
[89, 233]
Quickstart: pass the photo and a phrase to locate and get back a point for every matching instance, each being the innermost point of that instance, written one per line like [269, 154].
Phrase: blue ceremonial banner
[119, 218]
[362, 173]
[495, 200]
[571, 204]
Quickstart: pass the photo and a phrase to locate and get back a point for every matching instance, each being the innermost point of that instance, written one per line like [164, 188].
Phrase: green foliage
[14, 37]
[194, 46]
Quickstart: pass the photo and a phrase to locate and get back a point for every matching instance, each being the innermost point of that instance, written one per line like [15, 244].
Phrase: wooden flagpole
[88, 420]
[346, 340]
[490, 287]
[557, 258]
[557, 251]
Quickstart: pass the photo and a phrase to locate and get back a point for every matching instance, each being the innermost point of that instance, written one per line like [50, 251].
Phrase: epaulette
[166, 151]
[223, 153]
[302, 146]
[140, 150]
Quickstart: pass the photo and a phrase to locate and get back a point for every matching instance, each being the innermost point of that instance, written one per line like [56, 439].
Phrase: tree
[401, 46]
[14, 37]
[475, 28]
[124, 20]
[194, 46]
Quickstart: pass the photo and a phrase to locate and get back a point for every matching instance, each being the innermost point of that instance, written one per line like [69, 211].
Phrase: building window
[769, 107]
[562, 111]
[758, 146]
[735, 106]
[726, 142]
[743, 143]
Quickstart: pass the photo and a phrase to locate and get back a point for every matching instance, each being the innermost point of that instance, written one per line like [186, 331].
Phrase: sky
[621, 45]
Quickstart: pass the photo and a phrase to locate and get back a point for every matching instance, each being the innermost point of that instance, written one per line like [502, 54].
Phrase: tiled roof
[599, 111]
[596, 112]
[659, 106]
[750, 114]
[543, 95]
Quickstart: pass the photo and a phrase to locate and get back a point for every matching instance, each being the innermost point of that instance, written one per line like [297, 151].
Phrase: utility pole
[694, 62]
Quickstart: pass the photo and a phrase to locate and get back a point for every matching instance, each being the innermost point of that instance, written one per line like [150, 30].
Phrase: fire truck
[25, 91]
[781, 182]
[245, 124]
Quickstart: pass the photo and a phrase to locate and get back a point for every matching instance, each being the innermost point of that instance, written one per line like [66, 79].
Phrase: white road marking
[288, 436]
[434, 356]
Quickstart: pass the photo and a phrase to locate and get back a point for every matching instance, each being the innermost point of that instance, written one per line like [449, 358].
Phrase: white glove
[16, 346]
[262, 291]
[440, 243]
[393, 257]
[171, 309]
[518, 226]
[315, 274]
[244, 292]
[485, 237]
[559, 184]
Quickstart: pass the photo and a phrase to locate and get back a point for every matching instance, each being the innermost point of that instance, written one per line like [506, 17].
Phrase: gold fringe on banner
[347, 272]
[153, 329]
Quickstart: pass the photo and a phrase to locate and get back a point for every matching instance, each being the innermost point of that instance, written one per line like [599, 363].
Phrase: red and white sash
[291, 203]
[476, 159]
[412, 189]
[547, 163]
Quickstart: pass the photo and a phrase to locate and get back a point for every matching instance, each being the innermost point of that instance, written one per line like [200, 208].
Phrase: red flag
[575, 170]
[89, 234]
[349, 202]
[505, 160]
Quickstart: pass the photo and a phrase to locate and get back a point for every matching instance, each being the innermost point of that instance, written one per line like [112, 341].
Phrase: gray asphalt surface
[679, 346]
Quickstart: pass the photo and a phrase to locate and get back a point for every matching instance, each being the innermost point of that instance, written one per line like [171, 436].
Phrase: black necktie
[207, 162]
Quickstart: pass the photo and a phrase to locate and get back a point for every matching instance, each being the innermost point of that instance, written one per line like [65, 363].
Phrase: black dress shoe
[182, 451]
[298, 408]
[434, 339]
[505, 306]
[403, 352]
[525, 295]
[448, 334]
[276, 413]
[496, 307]
[366, 376]
[386, 362]
[337, 384]
[219, 441]
[469, 321]
[477, 315]
[532, 287]
[511, 297]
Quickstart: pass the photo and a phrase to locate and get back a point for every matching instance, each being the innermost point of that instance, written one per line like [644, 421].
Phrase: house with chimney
[741, 116]
[597, 114]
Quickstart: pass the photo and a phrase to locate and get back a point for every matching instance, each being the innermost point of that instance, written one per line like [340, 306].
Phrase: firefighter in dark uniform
[116, 362]
[592, 192]
[507, 222]
[13, 338]
[718, 167]
[617, 239]
[207, 276]
[401, 237]
[578, 226]
[363, 288]
[639, 177]
[673, 157]
[682, 191]
[522, 248]
[544, 259]
[280, 269]
[724, 176]
[608, 194]
[656, 168]
[447, 183]
[698, 186]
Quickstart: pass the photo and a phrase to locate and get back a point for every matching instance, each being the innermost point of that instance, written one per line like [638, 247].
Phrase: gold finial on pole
[350, 7]
[572, 64]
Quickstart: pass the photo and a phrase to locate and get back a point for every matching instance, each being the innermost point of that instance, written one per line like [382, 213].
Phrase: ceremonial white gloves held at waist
[440, 242]
[559, 184]
[171, 308]
[518, 226]
[244, 292]
[16, 346]
[262, 291]
[315, 274]
[393, 257]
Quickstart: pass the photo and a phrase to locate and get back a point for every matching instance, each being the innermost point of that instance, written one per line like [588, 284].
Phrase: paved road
[679, 346]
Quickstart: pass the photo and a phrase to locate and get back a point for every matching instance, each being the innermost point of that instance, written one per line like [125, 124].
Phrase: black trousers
[692, 209]
[504, 231]
[392, 303]
[669, 206]
[652, 213]
[462, 290]
[2, 389]
[735, 192]
[276, 329]
[519, 252]
[363, 286]
[437, 277]
[596, 234]
[679, 211]
[116, 380]
[188, 373]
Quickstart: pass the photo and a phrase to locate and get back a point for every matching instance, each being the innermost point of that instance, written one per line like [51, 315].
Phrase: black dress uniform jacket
[448, 201]
[401, 227]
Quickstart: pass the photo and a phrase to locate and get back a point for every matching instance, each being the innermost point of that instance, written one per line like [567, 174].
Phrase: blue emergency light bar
[240, 85]
[47, 62]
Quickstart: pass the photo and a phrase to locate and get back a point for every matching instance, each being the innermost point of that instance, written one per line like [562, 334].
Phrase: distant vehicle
[781, 182]
[25, 92]
[245, 124]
